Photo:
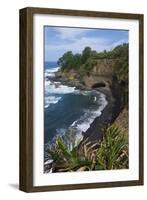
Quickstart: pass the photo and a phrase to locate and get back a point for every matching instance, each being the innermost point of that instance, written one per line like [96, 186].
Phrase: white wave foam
[61, 132]
[51, 72]
[84, 122]
[51, 100]
[54, 88]
[83, 92]
[57, 88]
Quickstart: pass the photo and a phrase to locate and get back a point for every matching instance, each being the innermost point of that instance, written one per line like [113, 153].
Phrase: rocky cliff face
[99, 76]
[104, 67]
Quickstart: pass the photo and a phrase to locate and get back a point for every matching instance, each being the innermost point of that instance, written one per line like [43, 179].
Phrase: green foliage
[66, 156]
[87, 52]
[85, 62]
[66, 61]
[120, 73]
[118, 52]
[104, 55]
[111, 153]
[69, 61]
[77, 60]
[121, 66]
[85, 68]
[81, 62]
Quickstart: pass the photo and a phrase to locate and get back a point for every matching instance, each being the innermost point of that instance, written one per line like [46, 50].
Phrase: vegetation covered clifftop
[86, 61]
[92, 69]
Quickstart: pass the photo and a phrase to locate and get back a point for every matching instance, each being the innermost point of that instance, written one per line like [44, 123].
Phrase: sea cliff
[99, 76]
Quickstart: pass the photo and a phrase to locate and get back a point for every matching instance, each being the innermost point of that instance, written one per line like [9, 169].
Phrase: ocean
[67, 107]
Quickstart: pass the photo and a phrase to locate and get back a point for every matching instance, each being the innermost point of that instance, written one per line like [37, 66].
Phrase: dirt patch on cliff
[122, 120]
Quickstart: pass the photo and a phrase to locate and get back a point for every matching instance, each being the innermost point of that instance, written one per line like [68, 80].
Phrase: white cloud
[77, 45]
[70, 33]
[75, 40]
[119, 42]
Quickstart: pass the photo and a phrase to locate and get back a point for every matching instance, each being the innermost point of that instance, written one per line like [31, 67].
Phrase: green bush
[111, 153]
[66, 155]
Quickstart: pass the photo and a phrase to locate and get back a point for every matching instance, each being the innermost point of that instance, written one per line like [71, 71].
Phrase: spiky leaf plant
[113, 150]
[67, 156]
[110, 153]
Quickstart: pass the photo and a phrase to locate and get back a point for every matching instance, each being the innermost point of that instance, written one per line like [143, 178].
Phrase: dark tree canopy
[86, 53]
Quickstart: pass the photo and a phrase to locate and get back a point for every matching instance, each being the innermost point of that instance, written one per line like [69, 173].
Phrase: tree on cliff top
[66, 61]
[85, 62]
[86, 53]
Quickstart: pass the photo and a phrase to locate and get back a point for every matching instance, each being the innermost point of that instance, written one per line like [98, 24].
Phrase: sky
[58, 40]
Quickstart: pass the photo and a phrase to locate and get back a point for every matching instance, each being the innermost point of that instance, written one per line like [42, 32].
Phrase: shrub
[111, 153]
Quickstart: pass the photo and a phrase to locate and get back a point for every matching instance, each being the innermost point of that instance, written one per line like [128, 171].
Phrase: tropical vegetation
[110, 153]
[87, 59]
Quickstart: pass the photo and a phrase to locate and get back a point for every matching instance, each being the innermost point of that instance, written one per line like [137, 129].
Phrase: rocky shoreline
[95, 131]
